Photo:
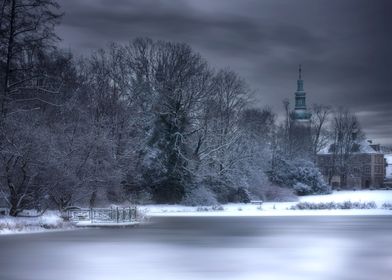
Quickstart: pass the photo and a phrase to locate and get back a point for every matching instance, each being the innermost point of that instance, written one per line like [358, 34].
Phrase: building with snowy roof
[366, 169]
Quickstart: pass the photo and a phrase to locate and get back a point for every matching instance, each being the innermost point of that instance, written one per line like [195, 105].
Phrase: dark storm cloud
[344, 45]
[224, 32]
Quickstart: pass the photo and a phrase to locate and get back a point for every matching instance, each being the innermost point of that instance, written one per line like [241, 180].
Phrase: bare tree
[255, 148]
[320, 134]
[346, 137]
[26, 30]
[225, 106]
[20, 154]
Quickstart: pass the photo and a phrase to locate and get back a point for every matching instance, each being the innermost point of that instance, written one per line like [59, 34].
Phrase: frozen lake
[339, 248]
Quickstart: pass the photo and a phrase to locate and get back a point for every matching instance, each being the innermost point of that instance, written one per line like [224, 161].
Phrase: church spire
[300, 110]
[300, 82]
[299, 72]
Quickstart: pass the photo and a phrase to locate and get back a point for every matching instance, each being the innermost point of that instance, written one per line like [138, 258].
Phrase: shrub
[240, 194]
[387, 205]
[210, 208]
[200, 196]
[220, 190]
[287, 173]
[278, 194]
[47, 221]
[217, 208]
[302, 189]
[333, 205]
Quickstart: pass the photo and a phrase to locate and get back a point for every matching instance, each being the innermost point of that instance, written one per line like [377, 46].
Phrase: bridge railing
[103, 215]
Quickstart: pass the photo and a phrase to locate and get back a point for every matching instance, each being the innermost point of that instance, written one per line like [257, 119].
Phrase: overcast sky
[344, 46]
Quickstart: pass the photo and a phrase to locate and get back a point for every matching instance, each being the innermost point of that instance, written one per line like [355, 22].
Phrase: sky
[344, 46]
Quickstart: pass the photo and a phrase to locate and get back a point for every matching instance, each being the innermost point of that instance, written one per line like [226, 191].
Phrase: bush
[47, 221]
[240, 194]
[278, 194]
[333, 205]
[387, 205]
[220, 190]
[209, 209]
[199, 196]
[287, 173]
[170, 190]
[302, 189]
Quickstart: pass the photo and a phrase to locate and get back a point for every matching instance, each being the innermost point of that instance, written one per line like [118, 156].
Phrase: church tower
[300, 125]
[301, 115]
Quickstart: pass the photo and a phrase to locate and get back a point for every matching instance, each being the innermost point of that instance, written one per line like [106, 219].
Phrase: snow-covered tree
[300, 174]
[180, 82]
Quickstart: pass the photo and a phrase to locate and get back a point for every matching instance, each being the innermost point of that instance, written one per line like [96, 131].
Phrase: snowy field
[281, 208]
[51, 220]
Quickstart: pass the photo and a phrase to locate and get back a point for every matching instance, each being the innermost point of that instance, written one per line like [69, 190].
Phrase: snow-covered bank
[276, 213]
[113, 225]
[377, 196]
[282, 208]
[50, 221]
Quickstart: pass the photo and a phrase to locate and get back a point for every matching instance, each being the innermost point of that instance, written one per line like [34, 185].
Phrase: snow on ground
[281, 208]
[379, 197]
[51, 220]
[103, 224]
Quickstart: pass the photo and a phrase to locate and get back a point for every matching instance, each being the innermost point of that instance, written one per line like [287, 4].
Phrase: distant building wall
[365, 170]
[388, 162]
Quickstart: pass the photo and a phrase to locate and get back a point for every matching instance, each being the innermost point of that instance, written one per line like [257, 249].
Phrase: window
[366, 169]
[357, 170]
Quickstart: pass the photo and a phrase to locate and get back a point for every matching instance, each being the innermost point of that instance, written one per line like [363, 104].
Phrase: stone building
[366, 167]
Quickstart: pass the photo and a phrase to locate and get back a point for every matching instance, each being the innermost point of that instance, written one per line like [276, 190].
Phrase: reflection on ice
[180, 262]
[208, 248]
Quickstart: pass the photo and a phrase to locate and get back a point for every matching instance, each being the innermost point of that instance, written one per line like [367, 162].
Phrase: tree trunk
[7, 70]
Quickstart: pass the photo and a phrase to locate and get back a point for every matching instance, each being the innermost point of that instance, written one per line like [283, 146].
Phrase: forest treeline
[146, 121]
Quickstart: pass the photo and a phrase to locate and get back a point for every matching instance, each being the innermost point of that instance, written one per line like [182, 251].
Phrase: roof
[364, 147]
[388, 158]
